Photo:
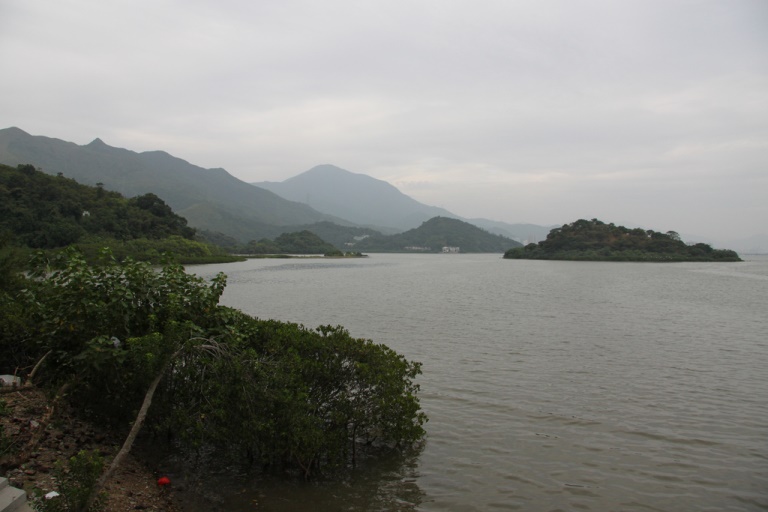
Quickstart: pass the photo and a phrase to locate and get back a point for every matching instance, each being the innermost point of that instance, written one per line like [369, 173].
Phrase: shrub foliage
[285, 395]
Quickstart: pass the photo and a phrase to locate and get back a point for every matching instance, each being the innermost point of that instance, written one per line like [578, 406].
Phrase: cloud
[510, 110]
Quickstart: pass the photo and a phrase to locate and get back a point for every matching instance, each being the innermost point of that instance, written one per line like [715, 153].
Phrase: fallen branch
[34, 370]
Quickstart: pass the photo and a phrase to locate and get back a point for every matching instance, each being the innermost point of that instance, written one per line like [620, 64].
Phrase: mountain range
[215, 201]
[222, 206]
[210, 199]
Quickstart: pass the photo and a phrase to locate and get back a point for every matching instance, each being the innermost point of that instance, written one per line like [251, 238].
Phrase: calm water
[549, 385]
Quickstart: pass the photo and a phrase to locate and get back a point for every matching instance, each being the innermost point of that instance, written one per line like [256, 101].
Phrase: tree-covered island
[594, 240]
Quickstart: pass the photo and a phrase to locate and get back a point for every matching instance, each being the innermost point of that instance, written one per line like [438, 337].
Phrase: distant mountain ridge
[210, 199]
[375, 203]
[370, 202]
[215, 202]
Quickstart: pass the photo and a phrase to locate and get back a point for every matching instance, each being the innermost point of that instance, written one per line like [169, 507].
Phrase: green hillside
[598, 241]
[435, 234]
[40, 211]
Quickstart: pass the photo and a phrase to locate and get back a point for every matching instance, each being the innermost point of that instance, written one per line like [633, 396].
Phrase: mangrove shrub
[280, 393]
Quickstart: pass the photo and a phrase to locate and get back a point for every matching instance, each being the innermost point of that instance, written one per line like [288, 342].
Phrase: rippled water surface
[549, 385]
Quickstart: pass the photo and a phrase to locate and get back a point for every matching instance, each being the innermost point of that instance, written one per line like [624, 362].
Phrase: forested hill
[435, 234]
[46, 212]
[596, 240]
[40, 211]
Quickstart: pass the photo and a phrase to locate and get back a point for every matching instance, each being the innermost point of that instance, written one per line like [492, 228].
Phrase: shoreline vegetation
[108, 338]
[594, 240]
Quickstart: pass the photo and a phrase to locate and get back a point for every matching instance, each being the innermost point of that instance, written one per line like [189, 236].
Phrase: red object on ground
[163, 481]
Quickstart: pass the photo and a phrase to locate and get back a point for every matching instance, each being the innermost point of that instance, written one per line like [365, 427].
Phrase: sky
[650, 113]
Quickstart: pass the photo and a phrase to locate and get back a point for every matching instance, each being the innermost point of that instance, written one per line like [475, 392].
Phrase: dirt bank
[132, 487]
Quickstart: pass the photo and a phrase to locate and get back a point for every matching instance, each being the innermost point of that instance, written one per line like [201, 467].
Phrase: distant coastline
[303, 256]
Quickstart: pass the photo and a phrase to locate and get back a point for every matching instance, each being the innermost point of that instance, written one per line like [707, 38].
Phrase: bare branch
[37, 366]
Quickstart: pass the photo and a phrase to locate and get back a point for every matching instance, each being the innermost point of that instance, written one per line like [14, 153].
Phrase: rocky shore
[22, 414]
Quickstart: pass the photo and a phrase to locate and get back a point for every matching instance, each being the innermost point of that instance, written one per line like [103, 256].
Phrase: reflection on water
[387, 483]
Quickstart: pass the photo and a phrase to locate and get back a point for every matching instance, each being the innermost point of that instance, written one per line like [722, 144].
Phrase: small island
[594, 240]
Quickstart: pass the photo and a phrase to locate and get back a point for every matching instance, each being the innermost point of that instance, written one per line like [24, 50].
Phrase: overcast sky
[649, 112]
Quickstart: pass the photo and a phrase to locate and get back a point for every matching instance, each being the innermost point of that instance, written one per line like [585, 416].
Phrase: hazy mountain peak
[97, 143]
[371, 202]
[13, 130]
[375, 203]
[329, 171]
[328, 168]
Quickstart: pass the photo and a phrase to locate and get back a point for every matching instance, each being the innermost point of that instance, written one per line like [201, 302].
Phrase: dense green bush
[283, 394]
[301, 396]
